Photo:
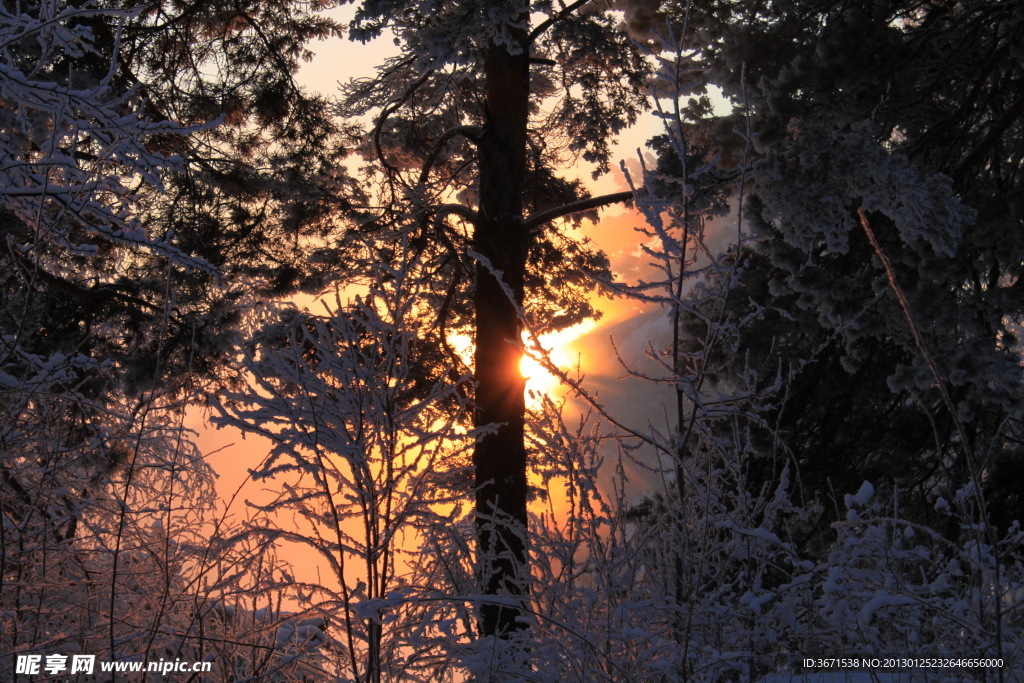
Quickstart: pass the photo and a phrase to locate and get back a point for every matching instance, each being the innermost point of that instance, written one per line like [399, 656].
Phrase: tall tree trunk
[503, 240]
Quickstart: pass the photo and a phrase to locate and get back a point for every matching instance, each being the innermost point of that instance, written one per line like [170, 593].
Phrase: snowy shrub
[369, 451]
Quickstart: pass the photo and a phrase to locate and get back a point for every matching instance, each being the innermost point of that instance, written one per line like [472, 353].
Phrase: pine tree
[484, 103]
[198, 103]
[871, 108]
[149, 160]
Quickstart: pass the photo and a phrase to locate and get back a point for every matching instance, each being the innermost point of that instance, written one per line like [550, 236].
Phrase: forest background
[833, 254]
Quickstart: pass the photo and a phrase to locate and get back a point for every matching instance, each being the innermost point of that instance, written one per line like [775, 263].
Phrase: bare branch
[543, 217]
[452, 209]
[551, 21]
[471, 133]
[933, 368]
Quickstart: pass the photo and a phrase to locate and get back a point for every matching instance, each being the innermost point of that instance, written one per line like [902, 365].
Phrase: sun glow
[540, 380]
[555, 348]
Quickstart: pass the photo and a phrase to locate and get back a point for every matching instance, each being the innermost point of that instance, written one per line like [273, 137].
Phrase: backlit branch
[471, 133]
[588, 204]
[551, 21]
[452, 209]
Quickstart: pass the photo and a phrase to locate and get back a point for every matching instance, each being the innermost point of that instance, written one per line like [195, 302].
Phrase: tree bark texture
[502, 239]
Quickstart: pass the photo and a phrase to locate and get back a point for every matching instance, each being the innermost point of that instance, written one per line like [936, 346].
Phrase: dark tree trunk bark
[503, 240]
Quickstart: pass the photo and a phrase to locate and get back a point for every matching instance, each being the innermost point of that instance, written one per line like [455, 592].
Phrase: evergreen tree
[911, 113]
[149, 159]
[198, 102]
[485, 102]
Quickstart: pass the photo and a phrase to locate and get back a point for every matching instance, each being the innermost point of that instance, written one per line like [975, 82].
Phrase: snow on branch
[73, 142]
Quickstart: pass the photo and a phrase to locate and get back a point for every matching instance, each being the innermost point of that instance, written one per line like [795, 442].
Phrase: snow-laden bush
[108, 541]
[367, 463]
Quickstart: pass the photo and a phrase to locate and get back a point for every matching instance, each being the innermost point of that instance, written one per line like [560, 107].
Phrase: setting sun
[538, 379]
[556, 347]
